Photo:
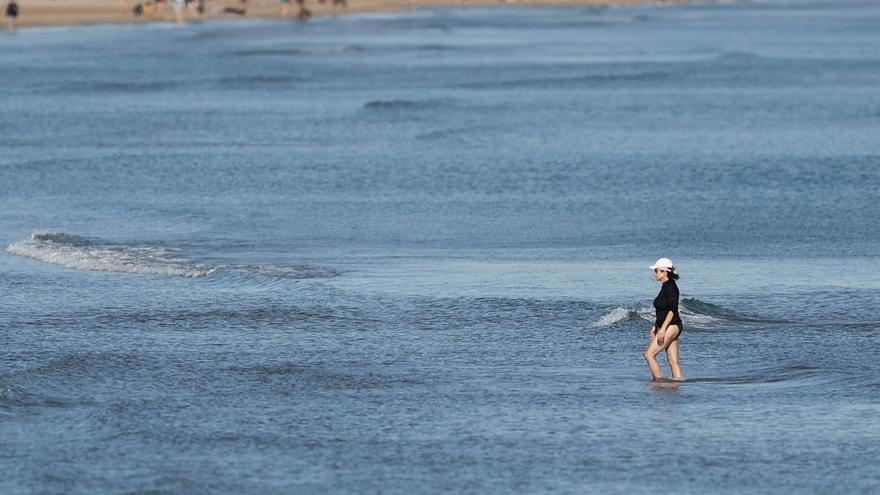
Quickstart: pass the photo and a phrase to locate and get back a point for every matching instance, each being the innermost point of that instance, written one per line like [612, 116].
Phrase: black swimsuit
[666, 301]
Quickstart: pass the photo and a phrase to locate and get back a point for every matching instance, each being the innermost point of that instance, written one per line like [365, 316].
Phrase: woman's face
[660, 274]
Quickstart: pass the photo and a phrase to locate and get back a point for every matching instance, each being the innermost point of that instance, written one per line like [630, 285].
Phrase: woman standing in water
[667, 325]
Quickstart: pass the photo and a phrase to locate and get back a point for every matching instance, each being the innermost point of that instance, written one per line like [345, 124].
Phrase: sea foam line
[80, 253]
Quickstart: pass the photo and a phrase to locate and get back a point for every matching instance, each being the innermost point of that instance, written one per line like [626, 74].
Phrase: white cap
[663, 263]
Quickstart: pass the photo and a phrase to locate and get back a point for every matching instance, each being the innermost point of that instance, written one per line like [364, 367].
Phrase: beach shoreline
[42, 13]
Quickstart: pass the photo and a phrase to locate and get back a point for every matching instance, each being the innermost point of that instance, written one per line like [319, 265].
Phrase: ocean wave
[735, 59]
[267, 277]
[697, 308]
[120, 86]
[622, 313]
[429, 103]
[227, 317]
[574, 80]
[288, 271]
[14, 397]
[435, 47]
[218, 316]
[740, 57]
[76, 364]
[297, 51]
[790, 373]
[48, 385]
[468, 134]
[289, 376]
[694, 314]
[81, 253]
[249, 81]
[793, 375]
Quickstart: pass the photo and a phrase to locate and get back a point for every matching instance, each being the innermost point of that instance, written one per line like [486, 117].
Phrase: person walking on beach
[12, 14]
[179, 11]
[304, 13]
[667, 325]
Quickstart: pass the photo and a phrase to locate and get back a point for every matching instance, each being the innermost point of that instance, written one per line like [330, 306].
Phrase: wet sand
[71, 12]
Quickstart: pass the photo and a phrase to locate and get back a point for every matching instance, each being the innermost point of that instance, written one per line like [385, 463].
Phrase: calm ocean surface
[407, 253]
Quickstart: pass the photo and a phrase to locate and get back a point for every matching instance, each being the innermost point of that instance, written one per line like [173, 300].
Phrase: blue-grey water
[407, 253]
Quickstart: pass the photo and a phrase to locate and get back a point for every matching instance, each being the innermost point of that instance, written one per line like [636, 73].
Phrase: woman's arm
[671, 303]
[662, 333]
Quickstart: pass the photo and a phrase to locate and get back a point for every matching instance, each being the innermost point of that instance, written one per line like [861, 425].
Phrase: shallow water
[407, 253]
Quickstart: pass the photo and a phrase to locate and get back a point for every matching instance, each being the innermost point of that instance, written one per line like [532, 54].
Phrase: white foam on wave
[698, 320]
[621, 313]
[698, 315]
[80, 253]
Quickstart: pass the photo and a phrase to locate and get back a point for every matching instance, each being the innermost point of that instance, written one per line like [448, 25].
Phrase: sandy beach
[73, 12]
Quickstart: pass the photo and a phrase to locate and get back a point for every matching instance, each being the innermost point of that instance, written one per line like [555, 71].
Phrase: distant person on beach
[304, 13]
[12, 14]
[179, 11]
[285, 7]
[220, 9]
[149, 7]
[667, 325]
[192, 7]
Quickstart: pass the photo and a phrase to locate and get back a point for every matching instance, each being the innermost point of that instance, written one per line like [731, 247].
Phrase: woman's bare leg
[672, 352]
[651, 357]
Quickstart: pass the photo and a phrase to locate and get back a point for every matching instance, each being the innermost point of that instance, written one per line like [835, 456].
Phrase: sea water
[408, 252]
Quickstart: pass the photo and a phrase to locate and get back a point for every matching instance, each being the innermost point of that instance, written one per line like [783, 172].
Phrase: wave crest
[424, 104]
[694, 314]
[620, 314]
[80, 253]
[293, 51]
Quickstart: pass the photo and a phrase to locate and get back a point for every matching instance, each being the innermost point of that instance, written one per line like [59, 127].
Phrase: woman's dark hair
[673, 274]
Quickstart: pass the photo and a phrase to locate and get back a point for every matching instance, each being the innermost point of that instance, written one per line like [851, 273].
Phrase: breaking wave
[622, 313]
[80, 253]
[694, 314]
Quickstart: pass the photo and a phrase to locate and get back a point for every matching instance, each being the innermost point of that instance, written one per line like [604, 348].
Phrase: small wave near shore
[87, 254]
[81, 253]
[695, 314]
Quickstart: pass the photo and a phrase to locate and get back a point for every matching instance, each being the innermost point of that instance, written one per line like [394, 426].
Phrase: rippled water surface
[407, 253]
